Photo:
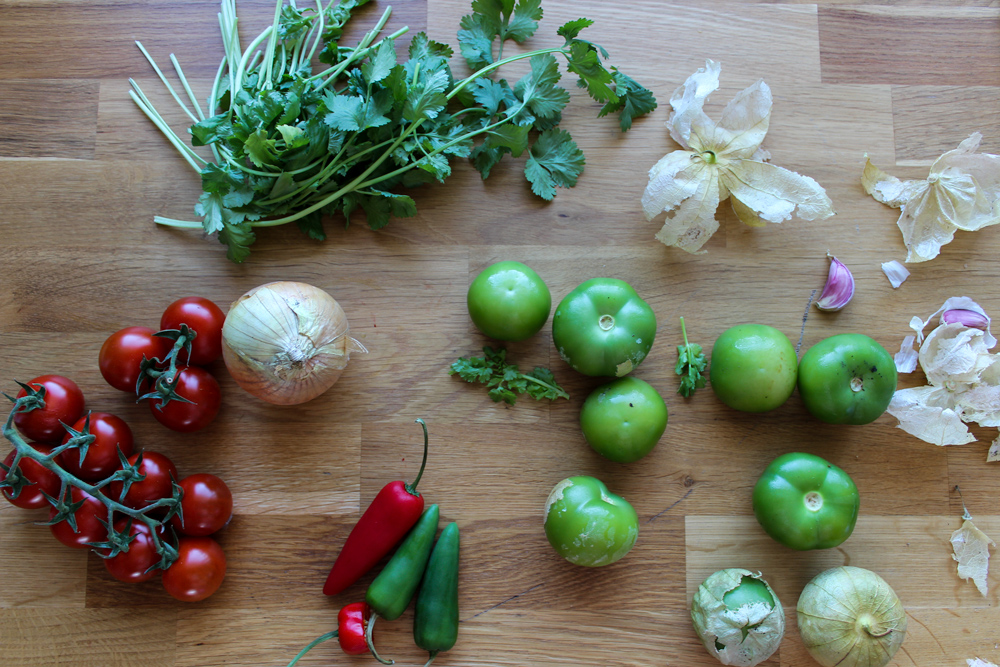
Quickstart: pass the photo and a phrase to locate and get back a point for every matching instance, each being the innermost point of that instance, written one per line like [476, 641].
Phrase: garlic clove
[839, 288]
[968, 318]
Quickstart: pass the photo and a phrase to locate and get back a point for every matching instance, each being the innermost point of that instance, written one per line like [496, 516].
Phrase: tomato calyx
[162, 373]
[34, 399]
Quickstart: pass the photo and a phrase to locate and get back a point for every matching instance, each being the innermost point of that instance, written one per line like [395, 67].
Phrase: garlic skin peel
[851, 617]
[286, 342]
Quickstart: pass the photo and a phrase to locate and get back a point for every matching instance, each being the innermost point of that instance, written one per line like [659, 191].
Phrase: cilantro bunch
[291, 145]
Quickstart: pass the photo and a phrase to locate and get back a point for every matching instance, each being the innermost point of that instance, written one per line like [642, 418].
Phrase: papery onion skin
[286, 342]
[850, 617]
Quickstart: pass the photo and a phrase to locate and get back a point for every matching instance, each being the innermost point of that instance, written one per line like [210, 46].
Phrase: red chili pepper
[387, 520]
[351, 628]
[352, 624]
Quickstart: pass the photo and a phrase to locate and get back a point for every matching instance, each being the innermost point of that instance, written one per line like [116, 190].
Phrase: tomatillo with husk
[806, 502]
[850, 617]
[738, 617]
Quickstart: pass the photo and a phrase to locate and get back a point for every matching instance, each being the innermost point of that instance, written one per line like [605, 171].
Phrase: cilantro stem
[271, 48]
[166, 83]
[561, 393]
[359, 52]
[684, 333]
[143, 103]
[500, 63]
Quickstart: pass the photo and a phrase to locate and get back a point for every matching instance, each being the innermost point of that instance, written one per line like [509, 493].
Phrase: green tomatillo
[587, 524]
[753, 367]
[603, 328]
[847, 379]
[738, 617]
[624, 419]
[509, 301]
[805, 502]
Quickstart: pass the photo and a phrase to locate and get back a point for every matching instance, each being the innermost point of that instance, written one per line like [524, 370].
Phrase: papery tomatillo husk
[286, 342]
[850, 617]
[738, 617]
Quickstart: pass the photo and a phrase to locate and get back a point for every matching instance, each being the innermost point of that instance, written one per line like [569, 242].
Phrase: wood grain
[83, 174]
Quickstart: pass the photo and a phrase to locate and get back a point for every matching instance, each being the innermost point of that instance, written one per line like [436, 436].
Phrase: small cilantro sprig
[292, 145]
[504, 380]
[691, 365]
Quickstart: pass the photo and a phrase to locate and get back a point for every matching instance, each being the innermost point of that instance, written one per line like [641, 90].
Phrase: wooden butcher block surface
[83, 172]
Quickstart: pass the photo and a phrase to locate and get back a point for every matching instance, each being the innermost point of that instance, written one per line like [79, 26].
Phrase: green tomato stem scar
[606, 322]
[857, 384]
[709, 157]
[813, 501]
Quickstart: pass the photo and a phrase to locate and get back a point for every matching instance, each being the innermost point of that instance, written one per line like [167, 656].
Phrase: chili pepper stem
[432, 654]
[319, 640]
[412, 488]
[371, 644]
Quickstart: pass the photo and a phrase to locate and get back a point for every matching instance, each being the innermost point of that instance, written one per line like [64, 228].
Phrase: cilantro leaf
[503, 380]
[633, 100]
[584, 61]
[381, 65]
[426, 99]
[353, 113]
[555, 160]
[475, 41]
[523, 23]
[691, 365]
[210, 130]
[539, 90]
[571, 29]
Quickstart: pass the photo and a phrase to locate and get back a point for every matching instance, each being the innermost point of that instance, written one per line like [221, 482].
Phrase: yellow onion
[286, 342]
[851, 617]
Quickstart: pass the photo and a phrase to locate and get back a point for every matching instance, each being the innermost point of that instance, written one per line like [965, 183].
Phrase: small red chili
[384, 524]
[352, 623]
[351, 627]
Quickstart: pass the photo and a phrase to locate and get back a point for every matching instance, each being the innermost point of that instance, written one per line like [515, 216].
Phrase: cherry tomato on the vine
[198, 386]
[198, 571]
[41, 478]
[134, 565]
[207, 505]
[123, 351]
[111, 434]
[159, 472]
[89, 526]
[206, 319]
[63, 403]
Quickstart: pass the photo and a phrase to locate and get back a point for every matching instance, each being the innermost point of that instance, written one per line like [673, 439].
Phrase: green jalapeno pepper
[435, 623]
[391, 591]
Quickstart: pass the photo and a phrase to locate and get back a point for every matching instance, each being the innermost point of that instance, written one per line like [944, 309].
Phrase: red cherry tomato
[198, 571]
[134, 565]
[196, 385]
[63, 403]
[159, 472]
[206, 319]
[112, 434]
[41, 478]
[123, 351]
[88, 522]
[207, 505]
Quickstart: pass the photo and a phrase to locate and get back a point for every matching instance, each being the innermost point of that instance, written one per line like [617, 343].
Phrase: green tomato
[847, 379]
[587, 524]
[624, 419]
[509, 301]
[753, 368]
[805, 503]
[603, 328]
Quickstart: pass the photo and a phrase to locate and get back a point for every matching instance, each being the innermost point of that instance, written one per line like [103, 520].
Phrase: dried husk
[287, 342]
[850, 617]
[718, 625]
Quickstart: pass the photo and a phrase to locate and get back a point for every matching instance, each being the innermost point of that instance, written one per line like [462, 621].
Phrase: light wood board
[82, 173]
